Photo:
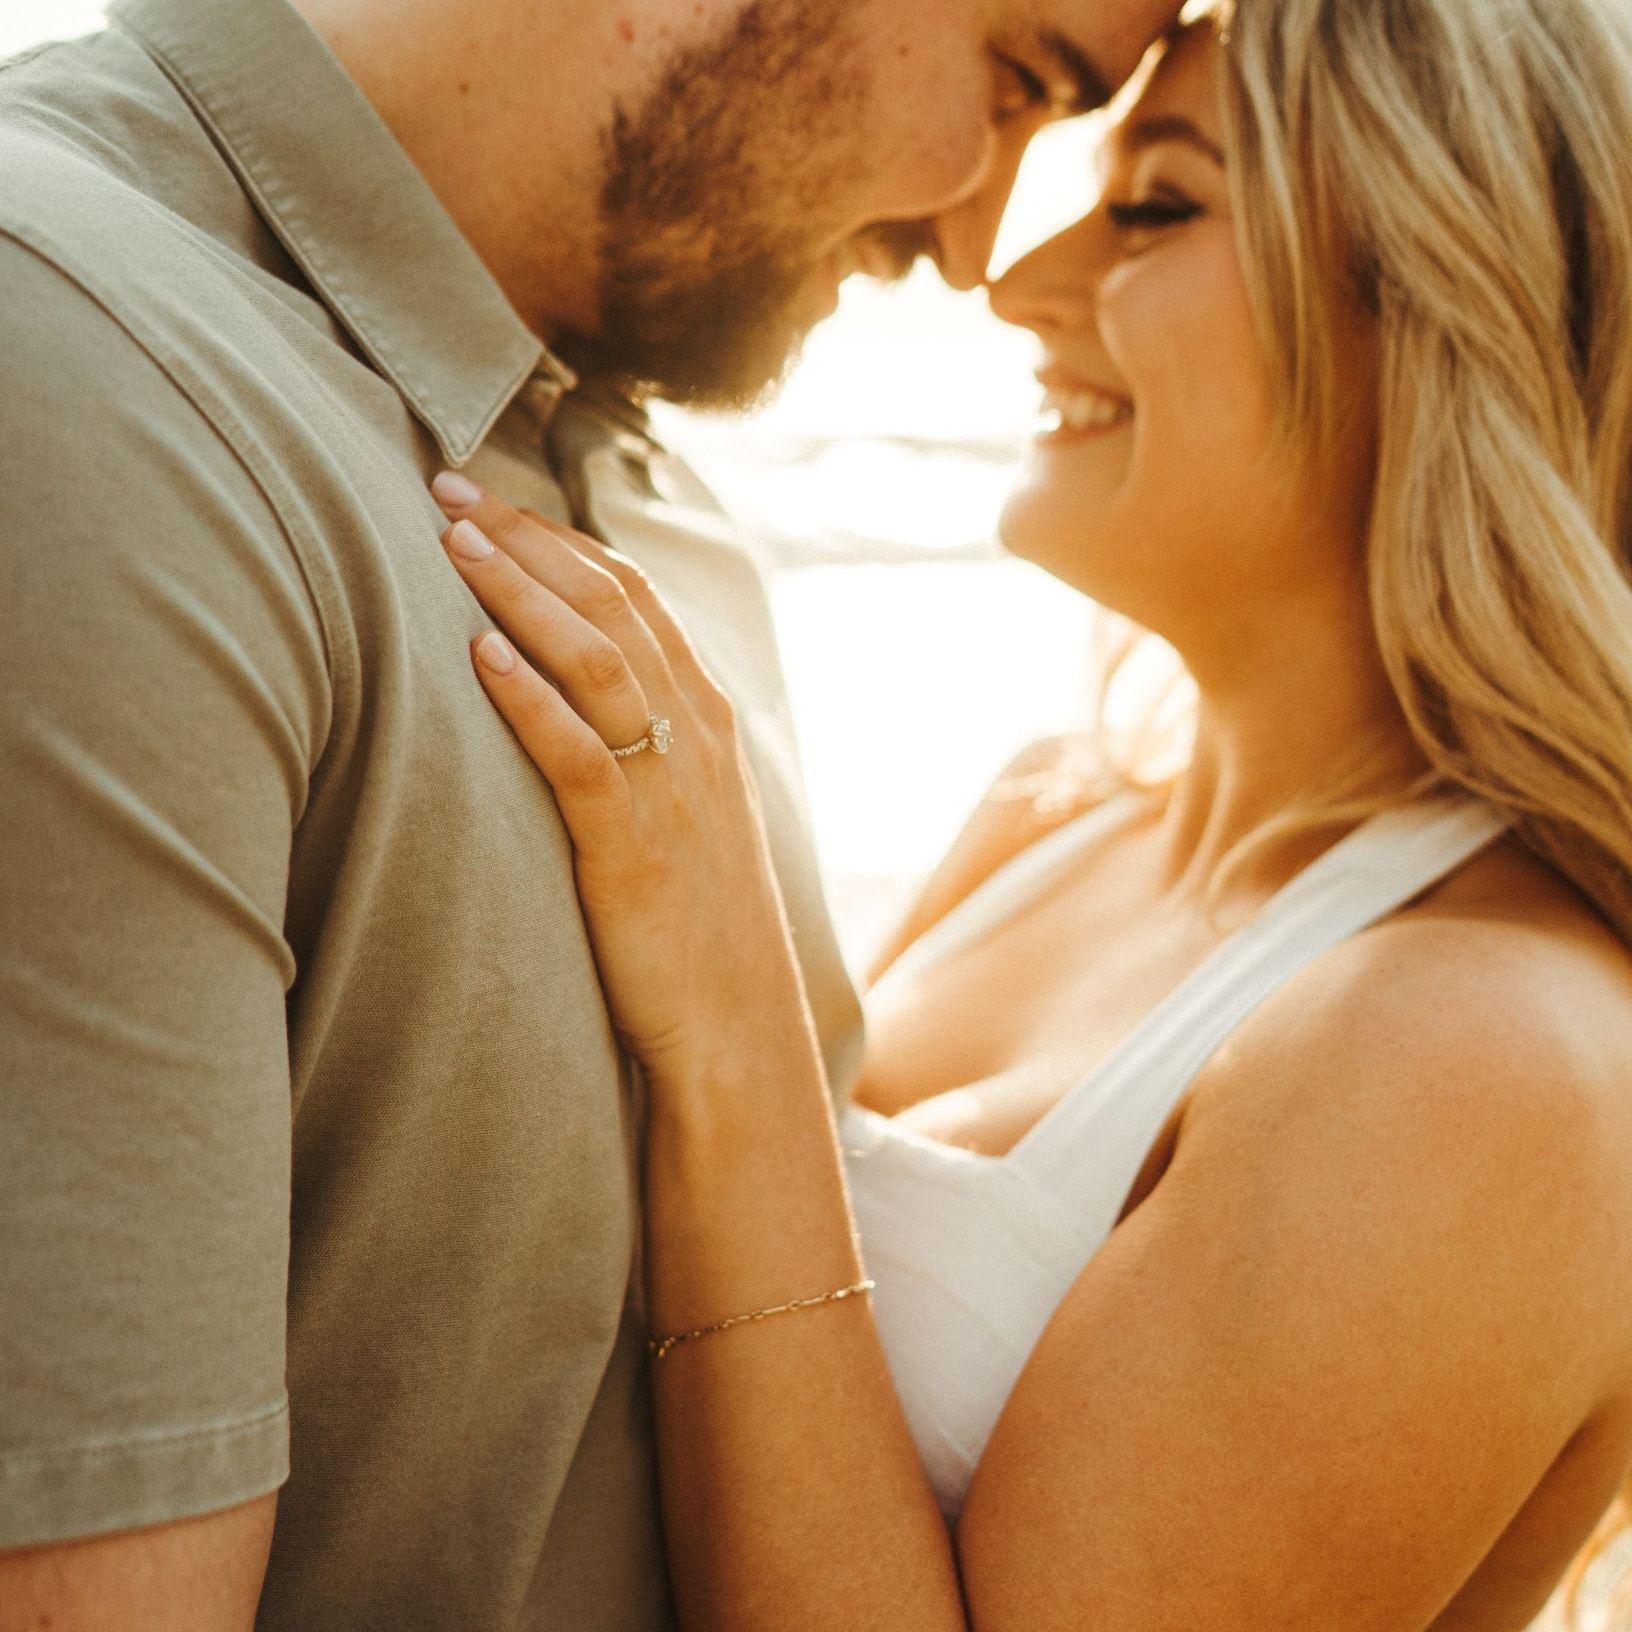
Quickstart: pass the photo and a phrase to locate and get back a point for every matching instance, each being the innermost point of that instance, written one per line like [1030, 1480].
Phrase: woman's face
[1156, 486]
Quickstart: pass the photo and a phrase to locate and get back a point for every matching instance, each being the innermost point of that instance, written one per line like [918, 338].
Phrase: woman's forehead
[1183, 85]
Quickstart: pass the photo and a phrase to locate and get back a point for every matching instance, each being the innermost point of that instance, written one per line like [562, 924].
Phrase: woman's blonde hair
[1464, 168]
[1460, 172]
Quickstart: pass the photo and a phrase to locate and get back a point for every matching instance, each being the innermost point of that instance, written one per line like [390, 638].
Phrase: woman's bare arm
[1310, 1382]
[1382, 1287]
[793, 1496]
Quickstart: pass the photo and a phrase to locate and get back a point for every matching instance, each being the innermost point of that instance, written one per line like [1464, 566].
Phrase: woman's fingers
[590, 788]
[607, 590]
[591, 669]
[654, 612]
[545, 552]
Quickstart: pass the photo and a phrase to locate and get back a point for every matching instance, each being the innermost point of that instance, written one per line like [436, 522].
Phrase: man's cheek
[933, 160]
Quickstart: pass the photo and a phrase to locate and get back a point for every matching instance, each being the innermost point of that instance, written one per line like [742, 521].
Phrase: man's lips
[874, 259]
[889, 250]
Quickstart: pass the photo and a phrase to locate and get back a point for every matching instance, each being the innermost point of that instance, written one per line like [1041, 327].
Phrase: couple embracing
[443, 1184]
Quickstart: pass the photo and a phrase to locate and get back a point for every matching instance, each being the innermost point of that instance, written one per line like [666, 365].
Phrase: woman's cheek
[1178, 324]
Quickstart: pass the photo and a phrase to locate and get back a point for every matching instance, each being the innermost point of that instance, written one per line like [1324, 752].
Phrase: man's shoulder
[107, 179]
[110, 245]
[130, 470]
[78, 369]
[126, 326]
[84, 127]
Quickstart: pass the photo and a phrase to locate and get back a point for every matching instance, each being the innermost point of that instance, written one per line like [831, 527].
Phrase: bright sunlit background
[919, 659]
[23, 22]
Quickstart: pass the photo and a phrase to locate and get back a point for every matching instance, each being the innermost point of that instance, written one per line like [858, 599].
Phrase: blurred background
[919, 658]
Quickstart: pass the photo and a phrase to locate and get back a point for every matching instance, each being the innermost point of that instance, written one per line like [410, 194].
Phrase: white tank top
[972, 1254]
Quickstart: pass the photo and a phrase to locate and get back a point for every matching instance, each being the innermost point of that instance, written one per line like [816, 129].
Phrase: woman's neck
[1317, 718]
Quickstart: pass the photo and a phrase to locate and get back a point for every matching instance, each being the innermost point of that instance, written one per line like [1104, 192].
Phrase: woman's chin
[1071, 486]
[1056, 532]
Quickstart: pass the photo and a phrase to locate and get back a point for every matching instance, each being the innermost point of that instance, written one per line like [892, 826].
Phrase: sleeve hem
[103, 1487]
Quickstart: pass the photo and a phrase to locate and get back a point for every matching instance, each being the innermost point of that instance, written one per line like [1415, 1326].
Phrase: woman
[1245, 1172]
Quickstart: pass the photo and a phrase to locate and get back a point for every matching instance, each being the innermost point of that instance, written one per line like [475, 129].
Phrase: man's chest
[573, 464]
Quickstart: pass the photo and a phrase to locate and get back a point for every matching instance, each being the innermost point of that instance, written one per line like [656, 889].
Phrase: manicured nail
[469, 542]
[456, 492]
[496, 653]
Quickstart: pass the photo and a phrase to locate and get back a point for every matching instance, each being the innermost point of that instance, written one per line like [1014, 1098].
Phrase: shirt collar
[349, 206]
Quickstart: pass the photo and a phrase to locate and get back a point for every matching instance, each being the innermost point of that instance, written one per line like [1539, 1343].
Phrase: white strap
[1376, 870]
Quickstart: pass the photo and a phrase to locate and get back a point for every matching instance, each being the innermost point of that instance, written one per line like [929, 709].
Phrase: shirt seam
[326, 601]
[24, 57]
[156, 1438]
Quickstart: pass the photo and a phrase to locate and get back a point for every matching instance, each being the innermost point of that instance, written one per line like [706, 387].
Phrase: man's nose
[966, 234]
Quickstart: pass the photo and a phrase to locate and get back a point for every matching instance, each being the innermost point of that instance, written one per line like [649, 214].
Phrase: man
[318, 1161]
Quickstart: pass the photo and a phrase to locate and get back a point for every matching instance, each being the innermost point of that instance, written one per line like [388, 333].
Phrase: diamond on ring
[658, 738]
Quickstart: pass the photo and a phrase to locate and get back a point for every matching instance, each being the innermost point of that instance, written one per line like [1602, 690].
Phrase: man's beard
[714, 190]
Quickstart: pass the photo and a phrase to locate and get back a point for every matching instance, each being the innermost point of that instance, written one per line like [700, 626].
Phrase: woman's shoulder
[1477, 1045]
[1508, 951]
[1503, 958]
[1041, 789]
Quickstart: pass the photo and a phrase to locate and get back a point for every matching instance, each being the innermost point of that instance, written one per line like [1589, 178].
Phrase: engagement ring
[657, 738]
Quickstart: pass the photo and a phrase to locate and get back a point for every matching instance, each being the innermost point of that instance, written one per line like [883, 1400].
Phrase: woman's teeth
[1084, 411]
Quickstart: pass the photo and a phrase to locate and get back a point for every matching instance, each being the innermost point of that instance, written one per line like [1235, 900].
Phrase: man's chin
[715, 364]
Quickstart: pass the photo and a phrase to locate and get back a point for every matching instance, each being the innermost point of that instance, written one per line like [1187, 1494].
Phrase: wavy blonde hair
[1463, 168]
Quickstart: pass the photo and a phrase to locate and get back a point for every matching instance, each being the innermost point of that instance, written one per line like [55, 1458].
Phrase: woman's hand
[673, 868]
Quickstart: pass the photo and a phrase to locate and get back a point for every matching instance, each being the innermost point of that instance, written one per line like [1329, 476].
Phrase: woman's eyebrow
[1167, 128]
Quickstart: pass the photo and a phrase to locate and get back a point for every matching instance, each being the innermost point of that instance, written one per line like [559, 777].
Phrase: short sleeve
[163, 692]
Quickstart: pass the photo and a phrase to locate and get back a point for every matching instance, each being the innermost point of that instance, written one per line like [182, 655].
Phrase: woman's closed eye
[1161, 211]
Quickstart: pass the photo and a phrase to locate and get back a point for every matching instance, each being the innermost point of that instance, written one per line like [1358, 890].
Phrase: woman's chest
[977, 1046]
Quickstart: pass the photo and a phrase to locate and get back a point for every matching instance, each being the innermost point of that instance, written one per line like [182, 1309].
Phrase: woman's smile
[1077, 410]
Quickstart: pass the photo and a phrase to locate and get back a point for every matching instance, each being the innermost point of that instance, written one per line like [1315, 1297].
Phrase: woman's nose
[1051, 288]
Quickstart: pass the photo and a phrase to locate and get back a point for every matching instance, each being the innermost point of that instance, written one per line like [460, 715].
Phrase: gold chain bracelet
[657, 1347]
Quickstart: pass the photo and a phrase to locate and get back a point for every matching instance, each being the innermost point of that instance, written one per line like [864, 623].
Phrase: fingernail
[496, 652]
[455, 492]
[469, 542]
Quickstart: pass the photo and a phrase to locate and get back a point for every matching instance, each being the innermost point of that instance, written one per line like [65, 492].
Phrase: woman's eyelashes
[1160, 210]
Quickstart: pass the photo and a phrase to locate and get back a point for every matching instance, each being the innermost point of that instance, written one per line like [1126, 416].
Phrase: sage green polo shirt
[317, 1159]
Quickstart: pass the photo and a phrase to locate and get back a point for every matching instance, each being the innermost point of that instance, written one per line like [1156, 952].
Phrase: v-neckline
[1096, 824]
